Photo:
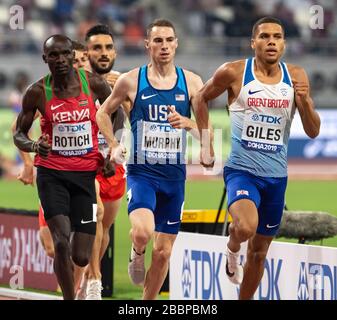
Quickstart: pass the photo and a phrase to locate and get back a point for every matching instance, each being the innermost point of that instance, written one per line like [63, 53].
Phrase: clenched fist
[111, 78]
[118, 154]
[301, 89]
[42, 146]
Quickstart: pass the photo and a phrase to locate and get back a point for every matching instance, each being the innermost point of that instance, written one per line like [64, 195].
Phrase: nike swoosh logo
[57, 106]
[172, 222]
[270, 227]
[252, 92]
[85, 222]
[148, 97]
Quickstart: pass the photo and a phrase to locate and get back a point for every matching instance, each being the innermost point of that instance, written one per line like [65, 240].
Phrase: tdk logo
[161, 128]
[269, 290]
[72, 128]
[201, 272]
[186, 279]
[317, 282]
[267, 119]
[153, 127]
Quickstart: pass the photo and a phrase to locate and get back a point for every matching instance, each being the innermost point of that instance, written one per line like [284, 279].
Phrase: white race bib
[72, 139]
[161, 137]
[263, 132]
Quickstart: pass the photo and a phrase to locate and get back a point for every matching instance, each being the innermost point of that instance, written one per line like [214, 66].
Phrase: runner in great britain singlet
[261, 117]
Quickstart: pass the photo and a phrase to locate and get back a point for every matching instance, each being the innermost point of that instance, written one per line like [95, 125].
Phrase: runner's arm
[118, 119]
[111, 105]
[31, 100]
[196, 85]
[100, 88]
[309, 117]
[221, 81]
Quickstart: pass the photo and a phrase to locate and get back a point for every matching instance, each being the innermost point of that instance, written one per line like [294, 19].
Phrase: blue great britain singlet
[158, 149]
[261, 117]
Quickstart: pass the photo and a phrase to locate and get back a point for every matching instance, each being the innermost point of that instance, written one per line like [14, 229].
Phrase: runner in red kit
[26, 174]
[67, 156]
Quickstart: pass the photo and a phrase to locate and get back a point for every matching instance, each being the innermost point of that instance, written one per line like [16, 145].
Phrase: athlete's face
[268, 42]
[59, 56]
[162, 44]
[101, 53]
[81, 60]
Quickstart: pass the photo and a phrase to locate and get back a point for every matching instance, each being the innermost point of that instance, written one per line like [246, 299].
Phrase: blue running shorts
[164, 198]
[267, 193]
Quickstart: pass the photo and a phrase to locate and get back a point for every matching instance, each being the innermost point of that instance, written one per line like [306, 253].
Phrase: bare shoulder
[129, 79]
[132, 74]
[231, 69]
[191, 76]
[193, 81]
[296, 72]
[35, 90]
[34, 97]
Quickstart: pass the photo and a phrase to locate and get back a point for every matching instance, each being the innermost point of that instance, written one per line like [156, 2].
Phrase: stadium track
[297, 170]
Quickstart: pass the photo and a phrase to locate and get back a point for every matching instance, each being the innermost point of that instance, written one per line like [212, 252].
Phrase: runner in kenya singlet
[72, 129]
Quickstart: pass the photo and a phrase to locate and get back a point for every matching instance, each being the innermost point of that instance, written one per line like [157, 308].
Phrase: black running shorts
[70, 193]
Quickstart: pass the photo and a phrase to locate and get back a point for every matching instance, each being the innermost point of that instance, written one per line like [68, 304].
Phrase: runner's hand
[118, 154]
[176, 120]
[26, 176]
[207, 158]
[111, 78]
[109, 168]
[41, 146]
[301, 89]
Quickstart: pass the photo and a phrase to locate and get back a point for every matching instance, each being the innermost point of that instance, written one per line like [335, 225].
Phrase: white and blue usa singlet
[261, 117]
[158, 149]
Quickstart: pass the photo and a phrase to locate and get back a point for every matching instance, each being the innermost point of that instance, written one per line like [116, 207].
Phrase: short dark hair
[266, 20]
[99, 29]
[159, 23]
[78, 46]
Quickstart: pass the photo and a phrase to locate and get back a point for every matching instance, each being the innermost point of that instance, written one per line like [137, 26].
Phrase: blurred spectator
[110, 11]
[85, 25]
[63, 11]
[133, 37]
[245, 15]
[282, 12]
[207, 18]
[318, 81]
[21, 83]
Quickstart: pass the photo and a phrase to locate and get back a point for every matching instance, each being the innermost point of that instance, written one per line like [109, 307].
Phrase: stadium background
[210, 33]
